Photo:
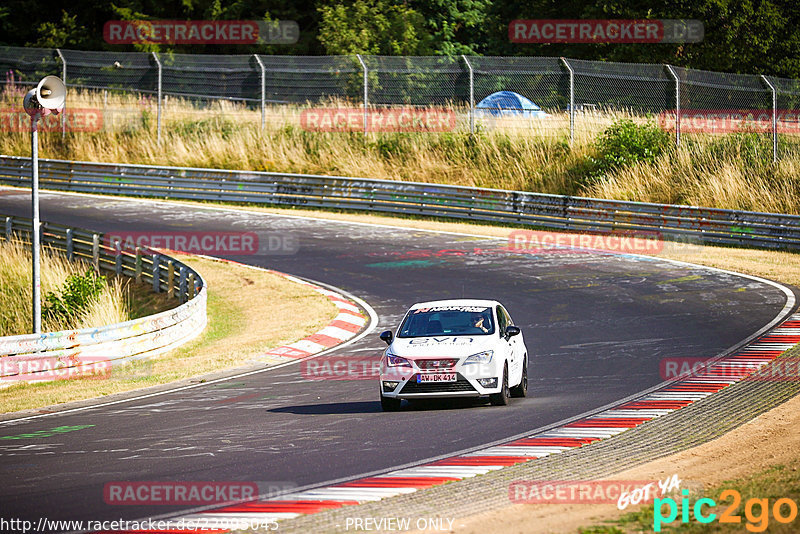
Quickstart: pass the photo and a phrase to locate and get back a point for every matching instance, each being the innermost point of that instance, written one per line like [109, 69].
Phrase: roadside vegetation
[615, 155]
[72, 295]
[249, 312]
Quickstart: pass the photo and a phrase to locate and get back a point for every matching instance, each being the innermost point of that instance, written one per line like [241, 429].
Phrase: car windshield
[448, 321]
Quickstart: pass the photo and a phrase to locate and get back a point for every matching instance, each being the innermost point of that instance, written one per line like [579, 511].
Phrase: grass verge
[727, 171]
[250, 311]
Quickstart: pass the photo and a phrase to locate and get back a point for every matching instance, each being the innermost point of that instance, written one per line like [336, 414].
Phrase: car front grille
[460, 385]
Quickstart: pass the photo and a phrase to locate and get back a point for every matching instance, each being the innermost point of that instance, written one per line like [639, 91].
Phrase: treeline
[741, 36]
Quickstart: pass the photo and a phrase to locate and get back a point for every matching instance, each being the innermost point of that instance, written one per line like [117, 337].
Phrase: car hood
[442, 346]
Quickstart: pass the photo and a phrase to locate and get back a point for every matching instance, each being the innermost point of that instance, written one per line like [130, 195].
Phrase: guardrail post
[192, 286]
[158, 119]
[677, 104]
[774, 118]
[63, 79]
[117, 257]
[366, 92]
[138, 265]
[571, 100]
[156, 274]
[170, 279]
[182, 292]
[471, 96]
[9, 230]
[263, 91]
[96, 253]
[70, 245]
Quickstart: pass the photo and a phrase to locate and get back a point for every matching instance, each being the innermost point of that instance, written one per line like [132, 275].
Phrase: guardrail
[696, 224]
[32, 356]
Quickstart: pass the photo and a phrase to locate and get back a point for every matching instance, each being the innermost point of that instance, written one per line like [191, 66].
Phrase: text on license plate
[448, 377]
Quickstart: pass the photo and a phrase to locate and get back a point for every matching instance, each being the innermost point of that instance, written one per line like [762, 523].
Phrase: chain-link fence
[573, 99]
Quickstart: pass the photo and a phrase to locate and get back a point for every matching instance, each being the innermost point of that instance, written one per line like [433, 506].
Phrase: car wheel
[501, 399]
[521, 389]
[389, 404]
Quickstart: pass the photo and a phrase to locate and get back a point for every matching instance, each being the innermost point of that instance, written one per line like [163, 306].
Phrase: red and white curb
[678, 394]
[346, 325]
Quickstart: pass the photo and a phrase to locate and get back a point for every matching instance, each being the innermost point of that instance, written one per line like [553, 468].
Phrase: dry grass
[110, 307]
[729, 171]
[249, 312]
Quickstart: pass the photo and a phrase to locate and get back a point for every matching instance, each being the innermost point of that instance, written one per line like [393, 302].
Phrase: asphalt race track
[597, 326]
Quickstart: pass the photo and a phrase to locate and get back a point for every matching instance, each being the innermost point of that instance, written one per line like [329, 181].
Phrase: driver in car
[478, 321]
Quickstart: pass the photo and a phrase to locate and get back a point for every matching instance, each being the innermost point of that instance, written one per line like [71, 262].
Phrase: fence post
[9, 229]
[156, 274]
[677, 104]
[138, 264]
[117, 257]
[182, 292]
[571, 100]
[774, 118]
[96, 253]
[170, 279]
[471, 96]
[70, 245]
[63, 79]
[263, 90]
[158, 119]
[366, 91]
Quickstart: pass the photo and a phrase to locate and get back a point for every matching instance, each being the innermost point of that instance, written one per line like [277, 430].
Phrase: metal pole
[159, 95]
[571, 100]
[366, 92]
[63, 79]
[263, 90]
[471, 96]
[37, 284]
[774, 118]
[677, 105]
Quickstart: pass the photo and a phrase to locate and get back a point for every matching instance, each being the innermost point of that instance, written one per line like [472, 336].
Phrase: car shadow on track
[334, 408]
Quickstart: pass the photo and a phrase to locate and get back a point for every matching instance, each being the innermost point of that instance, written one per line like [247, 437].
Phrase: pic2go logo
[756, 511]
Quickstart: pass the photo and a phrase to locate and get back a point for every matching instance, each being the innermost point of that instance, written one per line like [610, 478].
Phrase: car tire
[521, 389]
[389, 404]
[501, 399]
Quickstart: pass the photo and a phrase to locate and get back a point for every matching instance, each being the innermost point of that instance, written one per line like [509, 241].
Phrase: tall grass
[728, 171]
[111, 306]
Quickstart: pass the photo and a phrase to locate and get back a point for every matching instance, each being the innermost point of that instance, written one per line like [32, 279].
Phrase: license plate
[449, 377]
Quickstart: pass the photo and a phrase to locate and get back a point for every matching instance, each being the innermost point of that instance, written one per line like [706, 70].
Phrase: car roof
[455, 302]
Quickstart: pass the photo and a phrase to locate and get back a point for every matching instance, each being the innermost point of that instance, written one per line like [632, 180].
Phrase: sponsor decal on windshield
[466, 309]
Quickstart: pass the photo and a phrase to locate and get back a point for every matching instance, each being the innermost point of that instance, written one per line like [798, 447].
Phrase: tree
[373, 27]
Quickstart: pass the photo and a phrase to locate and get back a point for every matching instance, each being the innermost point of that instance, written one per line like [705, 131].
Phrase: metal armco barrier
[687, 223]
[135, 339]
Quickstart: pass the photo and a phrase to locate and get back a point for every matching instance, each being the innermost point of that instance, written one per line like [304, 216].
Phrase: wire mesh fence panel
[202, 87]
[787, 103]
[528, 94]
[606, 92]
[533, 96]
[428, 93]
[26, 66]
[720, 103]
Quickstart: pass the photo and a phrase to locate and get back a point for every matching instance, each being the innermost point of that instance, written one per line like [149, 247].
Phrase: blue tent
[509, 103]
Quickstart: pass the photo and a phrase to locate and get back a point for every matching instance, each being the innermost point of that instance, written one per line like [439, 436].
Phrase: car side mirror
[512, 331]
[387, 337]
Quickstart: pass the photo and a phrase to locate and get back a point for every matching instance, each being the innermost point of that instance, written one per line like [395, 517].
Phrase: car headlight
[481, 357]
[396, 361]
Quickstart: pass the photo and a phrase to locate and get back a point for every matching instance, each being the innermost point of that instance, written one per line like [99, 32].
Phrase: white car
[454, 348]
